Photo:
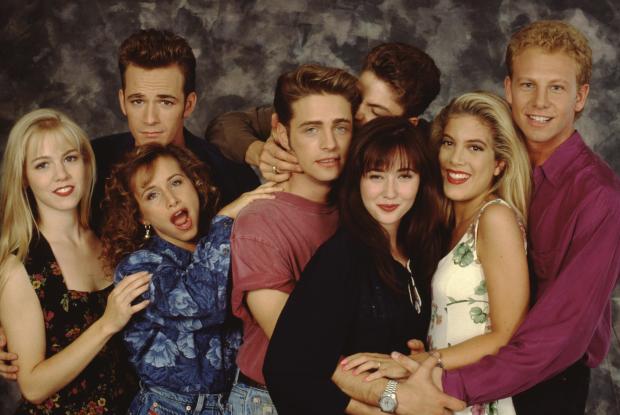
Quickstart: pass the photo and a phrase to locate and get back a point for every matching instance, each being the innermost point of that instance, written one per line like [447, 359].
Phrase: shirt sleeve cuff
[453, 385]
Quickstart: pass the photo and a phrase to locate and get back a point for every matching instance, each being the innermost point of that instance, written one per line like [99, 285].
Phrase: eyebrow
[49, 157]
[160, 96]
[468, 140]
[379, 106]
[145, 189]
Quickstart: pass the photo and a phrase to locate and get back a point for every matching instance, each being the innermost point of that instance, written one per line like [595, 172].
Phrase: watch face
[387, 404]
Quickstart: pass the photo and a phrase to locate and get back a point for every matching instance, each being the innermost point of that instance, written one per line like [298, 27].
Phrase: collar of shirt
[181, 257]
[562, 160]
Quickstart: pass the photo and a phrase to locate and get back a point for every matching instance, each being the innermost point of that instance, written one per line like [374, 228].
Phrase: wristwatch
[387, 402]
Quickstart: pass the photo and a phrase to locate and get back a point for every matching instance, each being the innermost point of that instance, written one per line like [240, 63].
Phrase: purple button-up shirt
[574, 251]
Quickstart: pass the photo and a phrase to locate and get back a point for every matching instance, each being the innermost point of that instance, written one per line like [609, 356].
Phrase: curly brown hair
[122, 231]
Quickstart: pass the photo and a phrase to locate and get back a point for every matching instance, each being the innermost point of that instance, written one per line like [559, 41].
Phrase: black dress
[107, 384]
[339, 307]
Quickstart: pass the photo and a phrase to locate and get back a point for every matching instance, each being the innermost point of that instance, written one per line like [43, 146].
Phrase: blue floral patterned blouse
[185, 340]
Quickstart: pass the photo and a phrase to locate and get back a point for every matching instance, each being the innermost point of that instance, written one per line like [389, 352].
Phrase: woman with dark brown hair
[367, 289]
[165, 222]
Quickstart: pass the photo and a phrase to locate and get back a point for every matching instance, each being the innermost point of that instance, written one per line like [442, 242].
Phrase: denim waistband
[193, 399]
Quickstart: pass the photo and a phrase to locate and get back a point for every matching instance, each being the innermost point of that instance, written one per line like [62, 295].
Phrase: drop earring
[147, 232]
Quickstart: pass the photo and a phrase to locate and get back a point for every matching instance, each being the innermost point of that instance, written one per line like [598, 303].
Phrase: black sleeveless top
[107, 384]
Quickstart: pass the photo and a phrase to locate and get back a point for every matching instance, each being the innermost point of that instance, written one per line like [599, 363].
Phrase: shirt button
[188, 408]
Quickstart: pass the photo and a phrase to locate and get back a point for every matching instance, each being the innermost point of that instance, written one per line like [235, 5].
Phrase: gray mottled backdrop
[63, 55]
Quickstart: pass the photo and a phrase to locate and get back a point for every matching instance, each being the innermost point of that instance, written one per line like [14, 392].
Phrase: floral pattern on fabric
[185, 340]
[107, 384]
[460, 308]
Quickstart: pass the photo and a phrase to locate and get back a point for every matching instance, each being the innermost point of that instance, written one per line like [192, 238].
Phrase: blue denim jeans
[248, 400]
[153, 400]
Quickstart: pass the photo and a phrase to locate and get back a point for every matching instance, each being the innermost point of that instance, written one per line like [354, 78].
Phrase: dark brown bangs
[382, 155]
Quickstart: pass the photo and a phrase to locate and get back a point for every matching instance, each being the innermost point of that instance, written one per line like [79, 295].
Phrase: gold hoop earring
[147, 232]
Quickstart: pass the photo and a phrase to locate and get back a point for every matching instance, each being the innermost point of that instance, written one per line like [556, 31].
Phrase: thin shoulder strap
[497, 201]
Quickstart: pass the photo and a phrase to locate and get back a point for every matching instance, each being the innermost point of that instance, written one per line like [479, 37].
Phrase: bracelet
[439, 361]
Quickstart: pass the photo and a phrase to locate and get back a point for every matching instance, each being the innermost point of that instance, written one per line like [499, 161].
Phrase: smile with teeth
[457, 177]
[539, 118]
[181, 219]
[64, 191]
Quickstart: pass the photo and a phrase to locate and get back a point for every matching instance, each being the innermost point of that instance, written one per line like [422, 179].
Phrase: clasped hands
[419, 391]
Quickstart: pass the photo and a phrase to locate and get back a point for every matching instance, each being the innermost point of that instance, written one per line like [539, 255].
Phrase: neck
[301, 184]
[394, 248]
[539, 152]
[60, 225]
[179, 140]
[465, 211]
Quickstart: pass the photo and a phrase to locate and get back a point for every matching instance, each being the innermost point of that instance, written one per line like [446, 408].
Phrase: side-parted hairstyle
[18, 208]
[410, 72]
[553, 36]
[422, 233]
[514, 182]
[122, 231]
[150, 49]
[313, 79]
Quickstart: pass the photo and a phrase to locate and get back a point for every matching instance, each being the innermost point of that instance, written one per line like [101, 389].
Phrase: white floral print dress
[460, 307]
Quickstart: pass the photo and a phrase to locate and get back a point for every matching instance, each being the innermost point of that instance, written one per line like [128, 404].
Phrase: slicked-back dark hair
[313, 79]
[422, 234]
[152, 49]
[410, 72]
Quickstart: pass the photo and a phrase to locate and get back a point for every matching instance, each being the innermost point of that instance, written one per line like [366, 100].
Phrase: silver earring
[147, 232]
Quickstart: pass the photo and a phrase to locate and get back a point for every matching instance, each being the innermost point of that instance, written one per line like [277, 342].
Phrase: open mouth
[64, 191]
[181, 220]
[457, 177]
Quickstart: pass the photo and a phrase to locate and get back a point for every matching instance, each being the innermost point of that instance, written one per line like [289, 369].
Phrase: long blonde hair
[514, 183]
[18, 210]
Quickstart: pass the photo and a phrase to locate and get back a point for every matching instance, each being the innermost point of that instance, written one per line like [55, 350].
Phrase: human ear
[508, 89]
[190, 104]
[499, 167]
[279, 132]
[582, 96]
[121, 101]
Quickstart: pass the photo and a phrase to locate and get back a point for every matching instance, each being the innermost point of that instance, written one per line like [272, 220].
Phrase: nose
[328, 141]
[361, 116]
[151, 114]
[171, 199]
[61, 172]
[390, 188]
[541, 99]
[456, 156]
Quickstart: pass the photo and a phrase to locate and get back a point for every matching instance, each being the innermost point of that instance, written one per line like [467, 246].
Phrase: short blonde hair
[18, 210]
[553, 36]
[514, 183]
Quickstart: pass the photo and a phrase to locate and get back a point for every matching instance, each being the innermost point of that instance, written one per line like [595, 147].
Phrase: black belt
[244, 379]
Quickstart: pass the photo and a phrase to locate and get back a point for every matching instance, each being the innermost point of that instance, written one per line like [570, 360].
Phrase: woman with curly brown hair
[182, 345]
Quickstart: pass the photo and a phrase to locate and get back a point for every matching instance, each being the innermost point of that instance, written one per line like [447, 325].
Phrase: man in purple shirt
[574, 247]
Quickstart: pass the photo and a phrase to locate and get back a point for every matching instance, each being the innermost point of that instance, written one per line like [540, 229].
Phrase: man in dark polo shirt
[158, 72]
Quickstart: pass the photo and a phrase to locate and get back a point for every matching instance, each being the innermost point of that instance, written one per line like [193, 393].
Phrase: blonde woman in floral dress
[481, 287]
